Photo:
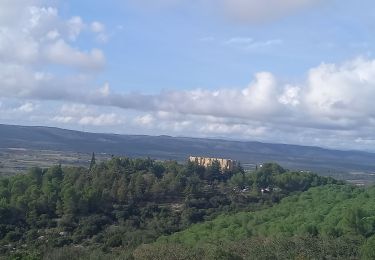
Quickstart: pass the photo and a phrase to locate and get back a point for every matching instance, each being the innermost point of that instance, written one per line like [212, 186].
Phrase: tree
[93, 162]
[213, 172]
[355, 220]
[70, 201]
[368, 249]
[238, 180]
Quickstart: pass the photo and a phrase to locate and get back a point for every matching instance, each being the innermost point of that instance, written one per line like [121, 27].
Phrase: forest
[145, 209]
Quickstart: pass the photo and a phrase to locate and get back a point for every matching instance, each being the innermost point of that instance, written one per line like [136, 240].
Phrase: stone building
[225, 164]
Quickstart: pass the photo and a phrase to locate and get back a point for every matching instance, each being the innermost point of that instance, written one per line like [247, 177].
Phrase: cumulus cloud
[27, 47]
[99, 29]
[62, 53]
[332, 106]
[75, 26]
[344, 91]
[14, 111]
[100, 120]
[63, 119]
[334, 97]
[38, 44]
[14, 8]
[334, 94]
[27, 107]
[87, 116]
[331, 97]
[145, 120]
[105, 90]
[290, 96]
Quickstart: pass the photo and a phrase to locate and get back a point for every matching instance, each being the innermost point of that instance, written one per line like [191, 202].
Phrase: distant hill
[361, 165]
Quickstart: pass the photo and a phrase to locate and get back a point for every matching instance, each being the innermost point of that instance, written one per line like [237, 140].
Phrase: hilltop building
[225, 164]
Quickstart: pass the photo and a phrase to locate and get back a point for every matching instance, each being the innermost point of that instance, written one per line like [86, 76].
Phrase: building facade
[225, 164]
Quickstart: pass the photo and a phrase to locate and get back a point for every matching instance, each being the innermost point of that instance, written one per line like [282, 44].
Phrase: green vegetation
[334, 221]
[119, 208]
[330, 211]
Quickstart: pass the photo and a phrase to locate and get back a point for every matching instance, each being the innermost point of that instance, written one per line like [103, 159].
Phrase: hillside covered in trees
[145, 209]
[327, 222]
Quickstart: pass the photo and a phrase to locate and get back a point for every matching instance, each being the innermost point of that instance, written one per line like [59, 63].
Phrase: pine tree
[93, 161]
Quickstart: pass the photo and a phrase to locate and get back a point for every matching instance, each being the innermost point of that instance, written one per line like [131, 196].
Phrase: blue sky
[288, 71]
[183, 46]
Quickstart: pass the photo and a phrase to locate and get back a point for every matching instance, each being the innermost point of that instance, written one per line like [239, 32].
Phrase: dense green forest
[144, 209]
[328, 222]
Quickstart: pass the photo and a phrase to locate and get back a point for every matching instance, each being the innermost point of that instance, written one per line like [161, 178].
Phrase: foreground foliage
[330, 222]
[113, 207]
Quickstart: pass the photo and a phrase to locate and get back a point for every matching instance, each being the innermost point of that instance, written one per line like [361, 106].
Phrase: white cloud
[105, 90]
[145, 120]
[243, 130]
[27, 107]
[75, 110]
[100, 30]
[63, 119]
[87, 116]
[53, 35]
[239, 40]
[41, 17]
[336, 97]
[290, 96]
[27, 47]
[62, 53]
[37, 48]
[15, 80]
[9, 9]
[101, 120]
[97, 27]
[344, 91]
[249, 44]
[334, 100]
[331, 97]
[75, 26]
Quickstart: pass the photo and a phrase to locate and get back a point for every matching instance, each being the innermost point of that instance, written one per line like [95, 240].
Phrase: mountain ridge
[179, 148]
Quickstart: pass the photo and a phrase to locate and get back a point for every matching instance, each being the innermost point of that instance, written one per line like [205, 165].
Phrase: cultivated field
[19, 160]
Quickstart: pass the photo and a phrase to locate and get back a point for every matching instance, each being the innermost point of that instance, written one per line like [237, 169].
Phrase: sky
[281, 71]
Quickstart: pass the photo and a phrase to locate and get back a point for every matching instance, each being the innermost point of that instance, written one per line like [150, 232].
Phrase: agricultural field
[19, 160]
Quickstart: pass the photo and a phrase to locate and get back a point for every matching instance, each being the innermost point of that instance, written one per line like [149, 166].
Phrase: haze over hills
[345, 164]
